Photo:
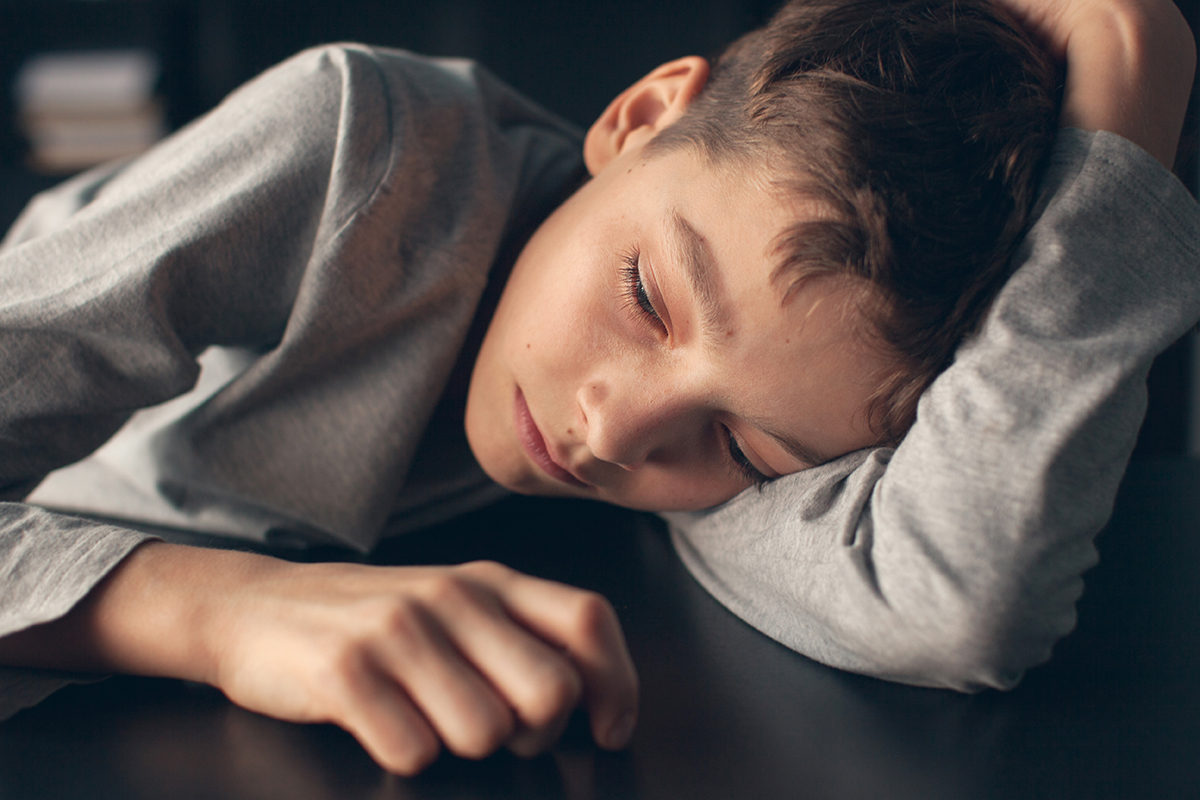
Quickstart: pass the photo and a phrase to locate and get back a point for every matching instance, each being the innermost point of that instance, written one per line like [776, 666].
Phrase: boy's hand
[405, 658]
[1130, 65]
[476, 657]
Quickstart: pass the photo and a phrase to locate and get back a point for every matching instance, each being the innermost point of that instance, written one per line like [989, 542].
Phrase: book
[79, 109]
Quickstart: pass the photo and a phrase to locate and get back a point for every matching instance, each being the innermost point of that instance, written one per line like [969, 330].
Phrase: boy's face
[641, 353]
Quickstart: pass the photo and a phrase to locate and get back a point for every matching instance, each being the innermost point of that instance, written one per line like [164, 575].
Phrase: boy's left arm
[956, 560]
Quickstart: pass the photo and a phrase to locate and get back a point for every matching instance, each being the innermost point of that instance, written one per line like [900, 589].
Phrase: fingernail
[621, 731]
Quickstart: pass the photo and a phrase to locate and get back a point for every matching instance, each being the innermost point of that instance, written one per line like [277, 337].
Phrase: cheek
[565, 327]
[543, 343]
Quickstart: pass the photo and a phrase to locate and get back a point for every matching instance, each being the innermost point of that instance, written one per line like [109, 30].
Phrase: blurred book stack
[78, 109]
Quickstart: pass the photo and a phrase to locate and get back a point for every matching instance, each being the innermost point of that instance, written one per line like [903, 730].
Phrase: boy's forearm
[1130, 70]
[1130, 65]
[149, 616]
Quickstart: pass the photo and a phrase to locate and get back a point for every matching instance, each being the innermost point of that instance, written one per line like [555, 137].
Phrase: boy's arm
[229, 234]
[956, 560]
[1131, 65]
[405, 658]
[113, 282]
[109, 286]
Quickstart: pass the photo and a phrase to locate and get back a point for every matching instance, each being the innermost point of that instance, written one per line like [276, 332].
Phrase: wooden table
[726, 712]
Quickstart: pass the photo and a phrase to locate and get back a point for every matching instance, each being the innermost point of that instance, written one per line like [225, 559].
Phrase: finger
[377, 712]
[465, 710]
[537, 681]
[585, 626]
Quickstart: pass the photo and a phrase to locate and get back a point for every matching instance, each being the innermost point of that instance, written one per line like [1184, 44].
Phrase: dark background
[572, 56]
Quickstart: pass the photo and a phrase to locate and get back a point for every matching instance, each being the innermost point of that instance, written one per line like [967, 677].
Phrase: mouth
[535, 445]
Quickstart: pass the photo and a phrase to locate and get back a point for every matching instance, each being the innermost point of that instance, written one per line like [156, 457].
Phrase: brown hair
[921, 126]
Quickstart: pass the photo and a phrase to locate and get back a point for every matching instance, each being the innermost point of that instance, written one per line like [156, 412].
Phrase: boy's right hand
[475, 657]
[1130, 65]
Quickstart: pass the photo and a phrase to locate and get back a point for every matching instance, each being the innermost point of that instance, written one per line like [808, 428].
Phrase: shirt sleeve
[111, 284]
[114, 283]
[49, 562]
[956, 559]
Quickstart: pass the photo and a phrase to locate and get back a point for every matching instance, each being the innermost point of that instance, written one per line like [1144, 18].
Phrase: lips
[535, 445]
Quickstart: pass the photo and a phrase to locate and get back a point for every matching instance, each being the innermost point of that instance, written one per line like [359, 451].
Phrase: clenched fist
[475, 657]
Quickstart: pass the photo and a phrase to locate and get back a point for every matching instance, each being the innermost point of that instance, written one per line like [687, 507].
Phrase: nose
[635, 421]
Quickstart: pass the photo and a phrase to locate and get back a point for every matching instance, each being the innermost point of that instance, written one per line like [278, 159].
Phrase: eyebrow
[702, 274]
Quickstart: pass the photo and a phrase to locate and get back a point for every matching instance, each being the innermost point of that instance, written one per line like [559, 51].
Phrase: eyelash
[744, 466]
[636, 296]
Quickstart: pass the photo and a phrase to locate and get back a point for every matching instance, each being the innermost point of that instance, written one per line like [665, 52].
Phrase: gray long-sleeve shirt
[321, 242]
[327, 232]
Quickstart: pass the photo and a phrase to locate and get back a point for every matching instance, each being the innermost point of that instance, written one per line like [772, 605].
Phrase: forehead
[752, 203]
[732, 216]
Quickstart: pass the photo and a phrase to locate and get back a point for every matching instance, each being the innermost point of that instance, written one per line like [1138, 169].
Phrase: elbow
[984, 649]
[969, 666]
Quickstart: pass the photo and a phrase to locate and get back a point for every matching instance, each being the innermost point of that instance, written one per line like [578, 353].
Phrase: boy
[476, 656]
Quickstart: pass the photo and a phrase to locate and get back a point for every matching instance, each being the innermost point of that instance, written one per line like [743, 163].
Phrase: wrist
[164, 611]
[172, 610]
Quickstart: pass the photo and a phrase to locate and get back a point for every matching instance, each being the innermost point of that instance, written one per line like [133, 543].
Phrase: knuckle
[592, 616]
[343, 664]
[336, 679]
[397, 618]
[556, 693]
[448, 591]
[491, 571]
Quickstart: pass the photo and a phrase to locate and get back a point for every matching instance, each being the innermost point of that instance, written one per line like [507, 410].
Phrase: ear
[644, 109]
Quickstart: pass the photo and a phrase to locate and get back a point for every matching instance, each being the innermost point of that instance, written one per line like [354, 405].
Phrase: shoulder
[313, 84]
[333, 85]
[324, 78]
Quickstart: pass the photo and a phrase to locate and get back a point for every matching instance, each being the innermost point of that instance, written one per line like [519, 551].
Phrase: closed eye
[744, 466]
[636, 296]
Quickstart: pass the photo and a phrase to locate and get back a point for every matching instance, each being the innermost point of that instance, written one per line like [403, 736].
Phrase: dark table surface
[726, 712]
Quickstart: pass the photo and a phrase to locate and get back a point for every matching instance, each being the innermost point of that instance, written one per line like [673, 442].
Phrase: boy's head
[770, 262]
